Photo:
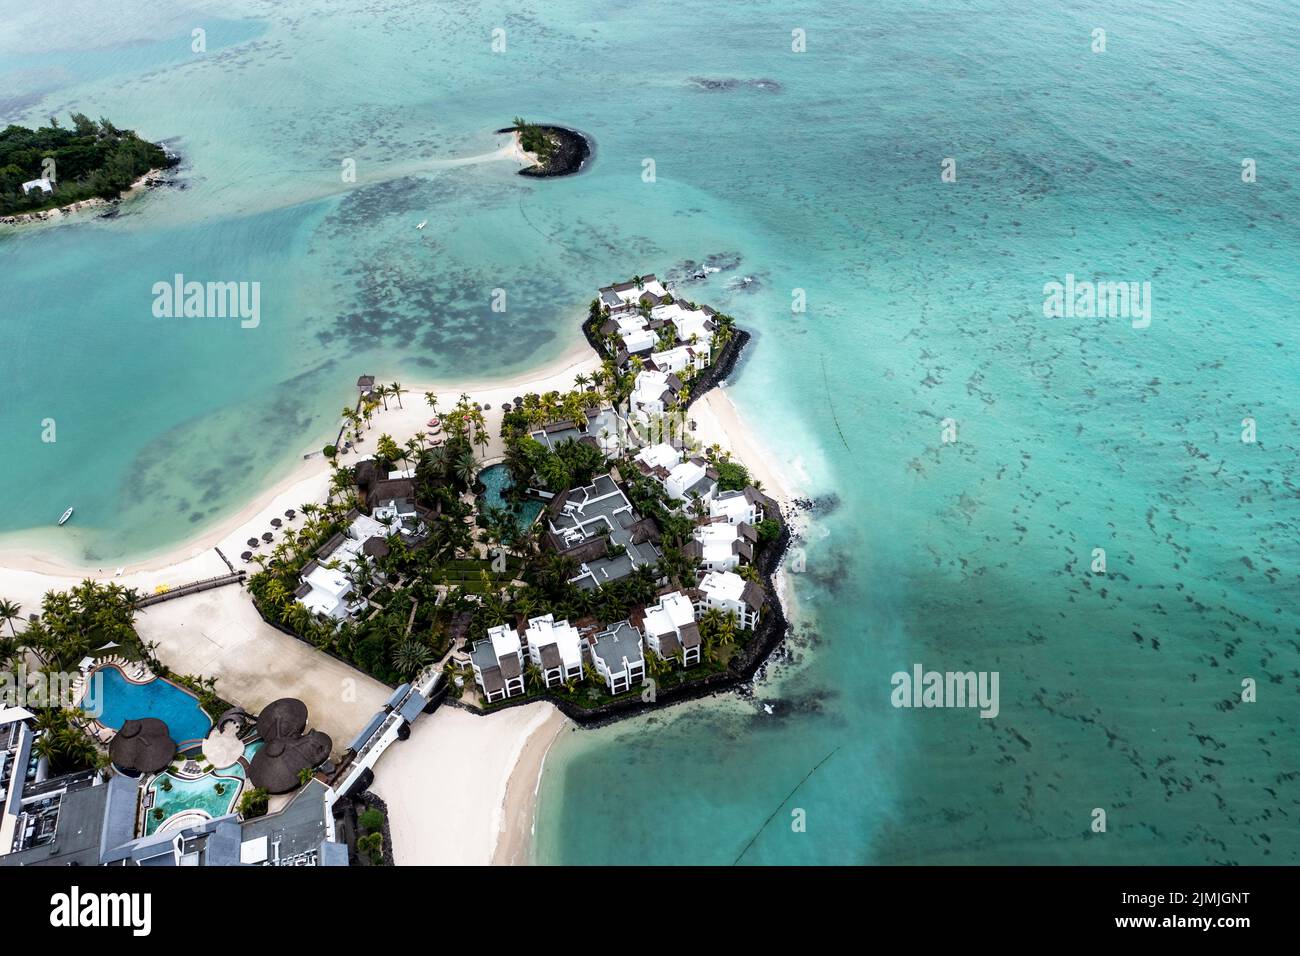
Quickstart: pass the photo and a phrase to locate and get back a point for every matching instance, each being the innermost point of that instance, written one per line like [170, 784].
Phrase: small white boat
[423, 223]
[66, 515]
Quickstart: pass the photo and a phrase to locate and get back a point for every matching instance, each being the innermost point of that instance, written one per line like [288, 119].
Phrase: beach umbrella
[276, 522]
[519, 401]
[142, 746]
[253, 542]
[290, 514]
[267, 536]
[247, 556]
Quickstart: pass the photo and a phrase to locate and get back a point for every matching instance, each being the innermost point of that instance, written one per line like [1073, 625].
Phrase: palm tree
[396, 391]
[381, 391]
[9, 612]
[466, 469]
[431, 400]
[411, 656]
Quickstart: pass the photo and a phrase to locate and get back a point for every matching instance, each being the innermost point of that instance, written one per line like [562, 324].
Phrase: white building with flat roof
[617, 655]
[671, 630]
[325, 584]
[729, 593]
[689, 480]
[498, 663]
[653, 393]
[555, 647]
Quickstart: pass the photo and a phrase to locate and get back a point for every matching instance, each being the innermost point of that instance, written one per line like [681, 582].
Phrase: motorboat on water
[66, 515]
[423, 223]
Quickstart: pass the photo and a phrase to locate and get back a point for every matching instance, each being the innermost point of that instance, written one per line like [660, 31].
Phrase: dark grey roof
[690, 634]
[620, 641]
[411, 709]
[359, 741]
[550, 656]
[330, 546]
[753, 595]
[396, 696]
[509, 666]
[492, 679]
[298, 828]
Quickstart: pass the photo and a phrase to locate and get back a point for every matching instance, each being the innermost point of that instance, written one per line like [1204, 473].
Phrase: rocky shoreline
[571, 154]
[150, 180]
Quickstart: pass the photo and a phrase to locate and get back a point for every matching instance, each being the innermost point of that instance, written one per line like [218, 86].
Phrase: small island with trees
[555, 150]
[56, 166]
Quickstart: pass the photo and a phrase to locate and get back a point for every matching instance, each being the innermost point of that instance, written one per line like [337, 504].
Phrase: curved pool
[496, 479]
[122, 700]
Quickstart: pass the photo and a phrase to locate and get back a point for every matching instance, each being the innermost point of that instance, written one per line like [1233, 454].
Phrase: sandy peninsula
[463, 788]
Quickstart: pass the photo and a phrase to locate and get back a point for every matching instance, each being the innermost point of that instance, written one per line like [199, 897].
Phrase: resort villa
[720, 546]
[498, 663]
[683, 480]
[326, 587]
[749, 506]
[555, 647]
[597, 526]
[617, 656]
[653, 394]
[671, 630]
[728, 592]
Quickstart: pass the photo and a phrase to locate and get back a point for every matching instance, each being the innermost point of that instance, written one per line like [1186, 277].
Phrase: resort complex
[580, 546]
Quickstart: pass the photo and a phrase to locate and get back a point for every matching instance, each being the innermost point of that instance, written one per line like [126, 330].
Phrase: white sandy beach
[462, 789]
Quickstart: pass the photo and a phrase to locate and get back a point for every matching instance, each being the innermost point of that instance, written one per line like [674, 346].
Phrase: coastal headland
[496, 757]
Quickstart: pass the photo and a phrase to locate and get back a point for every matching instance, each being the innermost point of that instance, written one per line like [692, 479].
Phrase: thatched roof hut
[142, 746]
[276, 766]
[283, 718]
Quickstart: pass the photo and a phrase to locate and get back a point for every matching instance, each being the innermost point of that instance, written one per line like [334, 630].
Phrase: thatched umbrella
[276, 766]
[276, 522]
[267, 536]
[286, 717]
[247, 556]
[253, 542]
[519, 401]
[142, 746]
[290, 513]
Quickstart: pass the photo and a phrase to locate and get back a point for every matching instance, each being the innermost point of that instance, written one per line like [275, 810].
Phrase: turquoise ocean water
[817, 171]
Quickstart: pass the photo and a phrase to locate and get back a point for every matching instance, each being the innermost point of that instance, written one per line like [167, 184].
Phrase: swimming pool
[123, 700]
[496, 478]
[189, 795]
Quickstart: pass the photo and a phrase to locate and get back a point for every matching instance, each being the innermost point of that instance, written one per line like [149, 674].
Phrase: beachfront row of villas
[560, 649]
[671, 339]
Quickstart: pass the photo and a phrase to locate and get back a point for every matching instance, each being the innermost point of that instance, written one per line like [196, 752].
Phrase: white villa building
[720, 546]
[325, 587]
[750, 506]
[728, 592]
[680, 358]
[690, 480]
[682, 480]
[555, 647]
[622, 296]
[498, 663]
[616, 653]
[671, 630]
[653, 393]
